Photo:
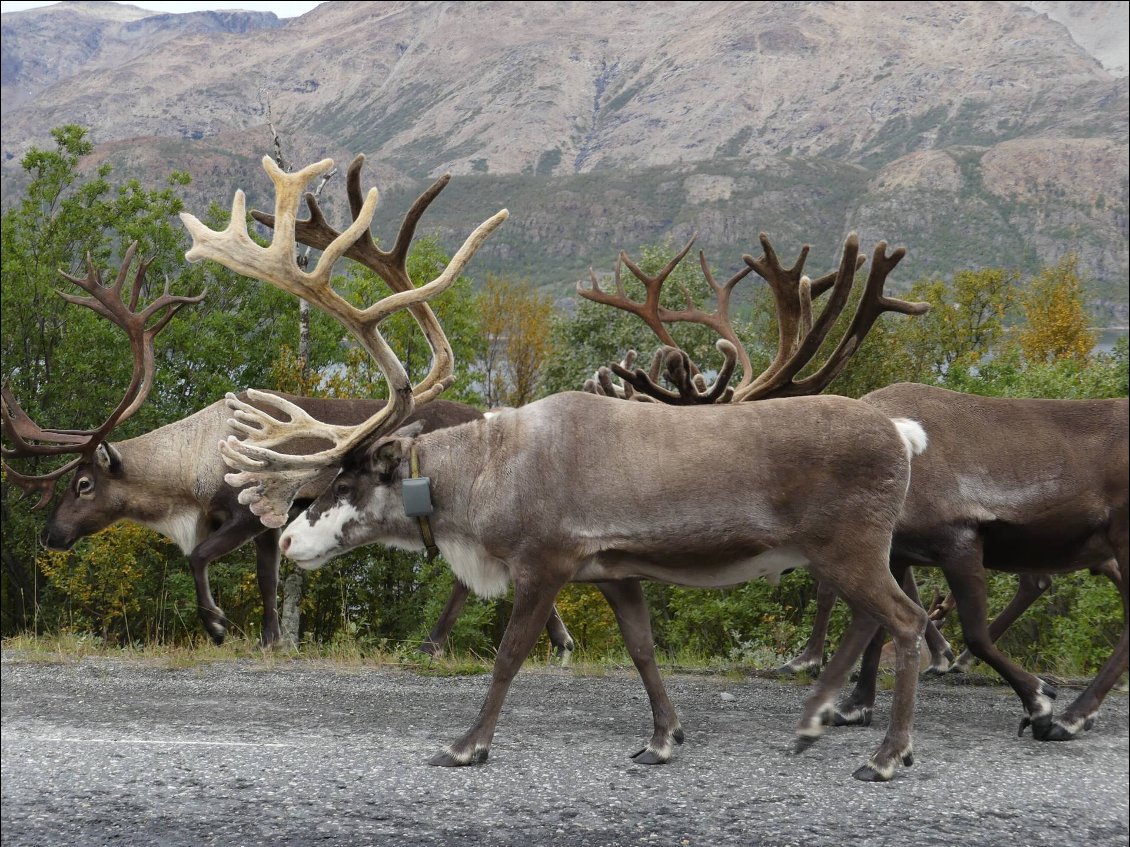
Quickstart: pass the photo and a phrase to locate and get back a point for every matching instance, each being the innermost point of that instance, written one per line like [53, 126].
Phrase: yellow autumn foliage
[589, 618]
[102, 582]
[1056, 323]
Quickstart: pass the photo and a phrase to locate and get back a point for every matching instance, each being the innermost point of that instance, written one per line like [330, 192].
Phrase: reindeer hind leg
[630, 607]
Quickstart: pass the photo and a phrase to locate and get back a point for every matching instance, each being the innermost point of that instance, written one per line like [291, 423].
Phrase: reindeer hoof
[1040, 724]
[1056, 732]
[647, 756]
[680, 737]
[447, 759]
[935, 670]
[1089, 724]
[908, 758]
[852, 717]
[799, 666]
[1047, 689]
[430, 648]
[869, 774]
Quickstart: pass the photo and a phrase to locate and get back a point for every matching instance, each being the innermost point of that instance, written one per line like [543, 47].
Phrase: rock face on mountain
[977, 133]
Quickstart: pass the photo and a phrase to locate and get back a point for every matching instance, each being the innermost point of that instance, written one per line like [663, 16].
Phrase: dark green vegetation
[128, 585]
[562, 223]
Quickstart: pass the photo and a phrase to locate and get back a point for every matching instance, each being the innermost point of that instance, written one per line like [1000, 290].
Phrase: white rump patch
[913, 436]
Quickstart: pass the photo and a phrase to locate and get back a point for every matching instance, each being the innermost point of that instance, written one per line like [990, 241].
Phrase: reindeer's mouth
[310, 564]
[56, 543]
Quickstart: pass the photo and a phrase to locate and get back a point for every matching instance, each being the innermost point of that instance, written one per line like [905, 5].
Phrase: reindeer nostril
[284, 544]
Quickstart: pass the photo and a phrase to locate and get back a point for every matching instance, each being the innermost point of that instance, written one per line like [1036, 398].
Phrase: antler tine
[28, 437]
[656, 316]
[391, 266]
[784, 285]
[646, 310]
[107, 302]
[42, 486]
[274, 478]
[690, 386]
[601, 382]
[22, 431]
[791, 355]
[870, 307]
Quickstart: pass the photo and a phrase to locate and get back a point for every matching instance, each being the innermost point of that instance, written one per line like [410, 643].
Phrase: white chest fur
[483, 574]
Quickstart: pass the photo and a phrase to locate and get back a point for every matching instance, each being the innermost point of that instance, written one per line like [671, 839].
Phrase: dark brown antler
[391, 265]
[800, 337]
[29, 439]
[690, 385]
[681, 372]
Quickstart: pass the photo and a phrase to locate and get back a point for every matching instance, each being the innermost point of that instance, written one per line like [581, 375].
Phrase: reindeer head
[89, 503]
[362, 506]
[271, 478]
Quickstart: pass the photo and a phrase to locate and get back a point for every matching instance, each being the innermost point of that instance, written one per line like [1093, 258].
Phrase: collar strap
[425, 524]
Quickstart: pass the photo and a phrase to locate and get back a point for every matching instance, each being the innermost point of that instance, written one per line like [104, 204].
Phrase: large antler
[680, 370]
[391, 265]
[29, 439]
[799, 337]
[272, 477]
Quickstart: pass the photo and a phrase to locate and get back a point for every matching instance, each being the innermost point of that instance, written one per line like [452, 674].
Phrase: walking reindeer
[171, 479]
[1027, 486]
[583, 488]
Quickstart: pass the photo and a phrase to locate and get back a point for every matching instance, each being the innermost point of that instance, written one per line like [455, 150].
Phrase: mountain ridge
[976, 133]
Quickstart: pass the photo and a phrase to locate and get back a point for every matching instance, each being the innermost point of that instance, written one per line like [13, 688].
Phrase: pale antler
[391, 265]
[273, 478]
[29, 439]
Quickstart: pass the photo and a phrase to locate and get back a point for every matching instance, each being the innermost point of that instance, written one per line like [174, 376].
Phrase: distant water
[1107, 336]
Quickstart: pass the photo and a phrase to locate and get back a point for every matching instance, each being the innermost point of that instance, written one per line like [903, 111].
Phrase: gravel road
[126, 752]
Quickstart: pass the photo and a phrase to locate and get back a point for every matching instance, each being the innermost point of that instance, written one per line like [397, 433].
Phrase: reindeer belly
[691, 570]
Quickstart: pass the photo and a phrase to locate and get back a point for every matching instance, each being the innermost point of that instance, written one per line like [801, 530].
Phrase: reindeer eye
[342, 488]
[85, 485]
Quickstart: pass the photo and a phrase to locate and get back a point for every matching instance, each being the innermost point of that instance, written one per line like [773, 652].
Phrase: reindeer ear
[410, 431]
[108, 459]
[385, 457]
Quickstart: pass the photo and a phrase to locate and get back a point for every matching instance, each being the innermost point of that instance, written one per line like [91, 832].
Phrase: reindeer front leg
[232, 534]
[267, 576]
[534, 594]
[630, 607]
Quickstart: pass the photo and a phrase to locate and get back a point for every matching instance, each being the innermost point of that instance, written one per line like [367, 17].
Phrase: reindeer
[551, 493]
[1030, 587]
[1027, 486]
[171, 479]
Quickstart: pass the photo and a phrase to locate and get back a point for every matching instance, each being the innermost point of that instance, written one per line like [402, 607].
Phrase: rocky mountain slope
[976, 133]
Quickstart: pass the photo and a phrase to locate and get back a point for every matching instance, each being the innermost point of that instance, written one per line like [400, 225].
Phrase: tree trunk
[290, 621]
